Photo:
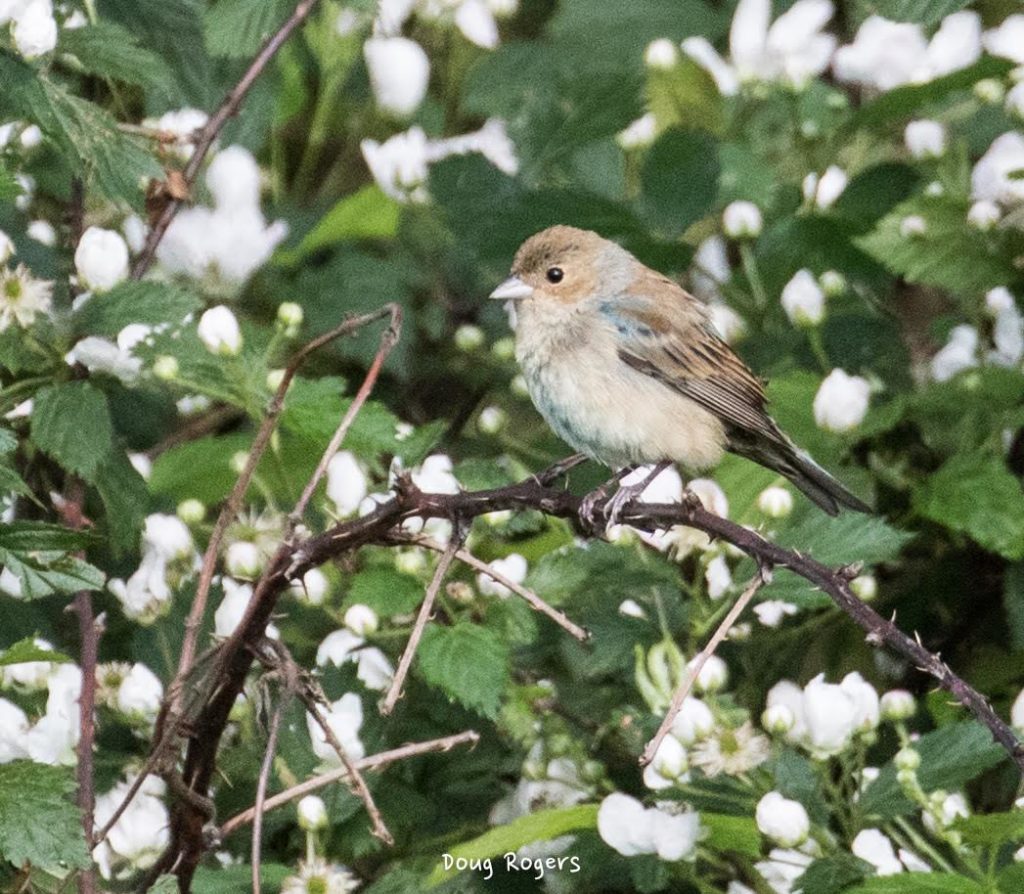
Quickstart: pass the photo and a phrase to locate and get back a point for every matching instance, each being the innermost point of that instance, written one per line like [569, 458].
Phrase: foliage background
[942, 460]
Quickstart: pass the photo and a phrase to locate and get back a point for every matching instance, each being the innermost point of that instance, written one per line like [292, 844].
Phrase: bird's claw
[590, 512]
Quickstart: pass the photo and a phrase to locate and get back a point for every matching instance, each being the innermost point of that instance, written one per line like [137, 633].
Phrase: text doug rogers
[512, 863]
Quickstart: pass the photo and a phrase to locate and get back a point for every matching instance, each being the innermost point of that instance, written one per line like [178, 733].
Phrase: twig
[532, 599]
[351, 770]
[693, 670]
[206, 136]
[426, 608]
[261, 785]
[373, 762]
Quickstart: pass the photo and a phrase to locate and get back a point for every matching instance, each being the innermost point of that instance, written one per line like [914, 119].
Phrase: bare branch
[261, 783]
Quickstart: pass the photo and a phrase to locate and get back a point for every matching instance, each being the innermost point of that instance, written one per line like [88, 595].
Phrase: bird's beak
[512, 289]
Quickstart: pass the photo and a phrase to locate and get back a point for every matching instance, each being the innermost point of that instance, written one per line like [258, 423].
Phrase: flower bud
[775, 502]
[6, 247]
[907, 758]
[101, 259]
[504, 348]
[864, 587]
[243, 560]
[803, 300]
[661, 54]
[165, 367]
[274, 379]
[218, 330]
[984, 215]
[519, 387]
[897, 704]
[35, 30]
[832, 283]
[238, 460]
[778, 719]
[399, 73]
[925, 139]
[713, 676]
[742, 220]
[841, 402]
[782, 820]
[410, 561]
[491, 420]
[912, 226]
[290, 316]
[990, 91]
[1015, 101]
[469, 338]
[191, 511]
[361, 619]
[312, 814]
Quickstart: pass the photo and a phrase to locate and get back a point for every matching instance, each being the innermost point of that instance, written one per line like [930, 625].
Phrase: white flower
[167, 535]
[626, 826]
[693, 722]
[666, 488]
[782, 868]
[898, 704]
[711, 496]
[218, 329]
[232, 609]
[346, 483]
[742, 220]
[361, 619]
[875, 847]
[491, 420]
[435, 476]
[54, 737]
[984, 215]
[865, 587]
[140, 693]
[718, 577]
[312, 813]
[140, 834]
[787, 694]
[243, 559]
[13, 729]
[399, 73]
[22, 297]
[792, 50]
[1015, 101]
[1007, 329]
[925, 139]
[43, 232]
[630, 608]
[944, 810]
[476, 22]
[233, 178]
[669, 764]
[1017, 712]
[661, 54]
[372, 665]
[865, 701]
[9, 11]
[317, 876]
[803, 300]
[996, 176]
[888, 54]
[101, 259]
[6, 247]
[831, 715]
[772, 611]
[31, 137]
[29, 675]
[913, 225]
[841, 402]
[729, 324]
[181, 124]
[345, 718]
[775, 501]
[713, 675]
[958, 354]
[491, 141]
[513, 566]
[99, 355]
[783, 820]
[10, 583]
[1008, 39]
[312, 588]
[35, 29]
[399, 165]
[640, 133]
[823, 192]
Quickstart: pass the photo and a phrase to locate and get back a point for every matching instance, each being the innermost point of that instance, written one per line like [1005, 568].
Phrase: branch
[207, 135]
[374, 762]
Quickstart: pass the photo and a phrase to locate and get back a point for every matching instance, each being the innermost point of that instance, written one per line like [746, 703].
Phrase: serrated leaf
[147, 302]
[544, 825]
[977, 495]
[948, 254]
[386, 591]
[736, 834]
[832, 874]
[919, 883]
[125, 498]
[45, 573]
[468, 663]
[236, 29]
[26, 650]
[366, 214]
[680, 179]
[950, 757]
[921, 12]
[39, 824]
[29, 536]
[110, 51]
[71, 424]
[992, 829]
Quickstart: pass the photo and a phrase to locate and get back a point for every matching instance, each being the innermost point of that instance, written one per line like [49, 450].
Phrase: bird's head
[562, 264]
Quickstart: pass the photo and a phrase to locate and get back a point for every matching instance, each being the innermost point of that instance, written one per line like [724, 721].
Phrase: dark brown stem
[261, 784]
[209, 132]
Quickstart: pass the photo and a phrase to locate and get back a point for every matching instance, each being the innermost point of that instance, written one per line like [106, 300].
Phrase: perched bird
[626, 366]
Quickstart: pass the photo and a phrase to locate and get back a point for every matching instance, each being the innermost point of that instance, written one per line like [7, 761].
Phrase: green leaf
[680, 179]
[26, 650]
[366, 214]
[29, 536]
[992, 829]
[110, 51]
[950, 757]
[71, 424]
[1013, 604]
[85, 135]
[832, 874]
[468, 663]
[237, 28]
[125, 498]
[386, 591]
[977, 495]
[39, 824]
[921, 12]
[148, 302]
[948, 254]
[36, 553]
[735, 834]
[919, 883]
[238, 879]
[544, 825]
[10, 189]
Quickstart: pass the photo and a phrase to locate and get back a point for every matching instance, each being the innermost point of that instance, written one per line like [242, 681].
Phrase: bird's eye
[555, 274]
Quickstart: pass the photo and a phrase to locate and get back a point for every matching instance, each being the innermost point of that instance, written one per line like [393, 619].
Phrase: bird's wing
[664, 332]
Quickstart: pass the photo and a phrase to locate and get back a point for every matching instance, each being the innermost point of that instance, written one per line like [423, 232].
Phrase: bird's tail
[781, 455]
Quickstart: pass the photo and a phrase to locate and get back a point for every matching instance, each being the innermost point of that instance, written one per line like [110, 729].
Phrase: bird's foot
[627, 493]
[590, 511]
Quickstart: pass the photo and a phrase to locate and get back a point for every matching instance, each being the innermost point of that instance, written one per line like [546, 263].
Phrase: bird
[626, 366]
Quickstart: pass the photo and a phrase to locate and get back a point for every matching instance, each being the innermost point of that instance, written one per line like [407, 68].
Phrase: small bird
[625, 365]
